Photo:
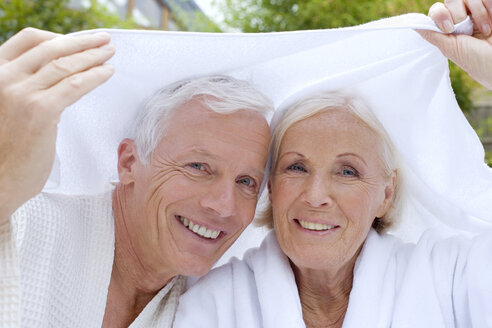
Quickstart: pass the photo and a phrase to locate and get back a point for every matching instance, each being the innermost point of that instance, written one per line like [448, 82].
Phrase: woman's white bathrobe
[435, 283]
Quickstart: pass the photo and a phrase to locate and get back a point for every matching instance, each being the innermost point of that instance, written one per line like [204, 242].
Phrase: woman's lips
[315, 226]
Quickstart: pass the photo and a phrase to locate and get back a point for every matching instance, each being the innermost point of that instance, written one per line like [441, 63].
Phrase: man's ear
[127, 158]
[389, 193]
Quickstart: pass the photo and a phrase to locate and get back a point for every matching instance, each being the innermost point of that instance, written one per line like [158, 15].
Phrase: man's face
[199, 190]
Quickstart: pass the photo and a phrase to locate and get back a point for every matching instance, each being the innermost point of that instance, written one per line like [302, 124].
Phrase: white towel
[402, 77]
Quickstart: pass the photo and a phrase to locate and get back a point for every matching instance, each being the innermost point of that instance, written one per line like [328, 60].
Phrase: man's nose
[219, 198]
[317, 192]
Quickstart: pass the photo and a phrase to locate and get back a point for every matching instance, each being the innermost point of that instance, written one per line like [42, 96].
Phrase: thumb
[445, 42]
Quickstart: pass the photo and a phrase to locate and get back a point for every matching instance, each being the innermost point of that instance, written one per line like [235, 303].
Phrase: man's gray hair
[222, 94]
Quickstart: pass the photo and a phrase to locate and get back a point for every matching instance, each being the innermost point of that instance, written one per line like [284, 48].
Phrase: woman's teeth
[199, 230]
[314, 226]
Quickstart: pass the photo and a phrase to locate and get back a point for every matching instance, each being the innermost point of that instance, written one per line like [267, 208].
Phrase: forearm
[15, 188]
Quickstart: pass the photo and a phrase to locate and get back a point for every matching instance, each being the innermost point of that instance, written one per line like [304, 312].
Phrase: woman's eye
[349, 172]
[296, 167]
[197, 166]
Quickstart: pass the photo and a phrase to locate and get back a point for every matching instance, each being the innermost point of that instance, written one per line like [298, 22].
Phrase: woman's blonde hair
[322, 102]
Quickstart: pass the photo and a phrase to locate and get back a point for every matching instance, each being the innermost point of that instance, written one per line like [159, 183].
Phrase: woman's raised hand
[472, 53]
[41, 73]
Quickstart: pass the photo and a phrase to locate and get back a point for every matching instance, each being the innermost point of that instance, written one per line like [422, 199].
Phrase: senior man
[189, 178]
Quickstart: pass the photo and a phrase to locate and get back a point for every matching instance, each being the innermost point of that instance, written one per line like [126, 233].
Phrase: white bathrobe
[434, 283]
[56, 262]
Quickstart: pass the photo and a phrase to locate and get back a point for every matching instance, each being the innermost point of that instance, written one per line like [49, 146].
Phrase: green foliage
[191, 20]
[288, 15]
[484, 130]
[54, 15]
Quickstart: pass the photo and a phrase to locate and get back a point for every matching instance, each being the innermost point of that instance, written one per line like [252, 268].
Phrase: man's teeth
[315, 226]
[199, 230]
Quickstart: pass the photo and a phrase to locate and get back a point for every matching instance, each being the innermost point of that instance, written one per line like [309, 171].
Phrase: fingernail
[107, 47]
[448, 26]
[486, 29]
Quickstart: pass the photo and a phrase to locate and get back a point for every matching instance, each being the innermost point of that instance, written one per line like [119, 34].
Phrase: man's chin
[197, 270]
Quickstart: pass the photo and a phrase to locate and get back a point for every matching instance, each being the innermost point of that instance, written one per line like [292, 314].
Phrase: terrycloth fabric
[436, 283]
[9, 279]
[61, 256]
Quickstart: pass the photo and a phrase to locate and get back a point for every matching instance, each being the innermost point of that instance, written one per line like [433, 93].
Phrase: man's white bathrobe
[56, 259]
[434, 283]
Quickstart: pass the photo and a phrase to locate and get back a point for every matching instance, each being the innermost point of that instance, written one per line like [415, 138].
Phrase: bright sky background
[209, 10]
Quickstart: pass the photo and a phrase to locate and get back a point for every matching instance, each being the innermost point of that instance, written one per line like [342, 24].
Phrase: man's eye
[197, 166]
[296, 168]
[248, 182]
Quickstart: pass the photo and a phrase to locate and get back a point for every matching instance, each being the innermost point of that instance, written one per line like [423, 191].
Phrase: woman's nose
[317, 192]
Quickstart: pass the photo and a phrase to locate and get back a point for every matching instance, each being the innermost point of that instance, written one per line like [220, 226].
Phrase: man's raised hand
[41, 73]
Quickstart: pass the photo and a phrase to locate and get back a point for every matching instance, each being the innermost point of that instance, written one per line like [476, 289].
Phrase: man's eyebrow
[207, 154]
[202, 152]
[259, 173]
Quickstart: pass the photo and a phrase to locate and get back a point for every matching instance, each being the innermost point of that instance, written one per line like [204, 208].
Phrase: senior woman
[335, 188]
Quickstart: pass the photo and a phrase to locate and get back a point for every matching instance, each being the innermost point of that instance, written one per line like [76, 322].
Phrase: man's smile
[197, 229]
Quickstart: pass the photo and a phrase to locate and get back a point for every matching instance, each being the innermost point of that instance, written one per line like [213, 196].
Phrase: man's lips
[199, 230]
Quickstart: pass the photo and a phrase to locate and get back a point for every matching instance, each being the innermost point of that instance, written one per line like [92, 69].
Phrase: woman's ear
[269, 186]
[127, 158]
[389, 193]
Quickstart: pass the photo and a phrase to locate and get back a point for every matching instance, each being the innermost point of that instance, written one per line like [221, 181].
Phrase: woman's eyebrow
[291, 153]
[352, 154]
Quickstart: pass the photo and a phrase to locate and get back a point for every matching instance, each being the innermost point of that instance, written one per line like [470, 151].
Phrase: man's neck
[134, 281]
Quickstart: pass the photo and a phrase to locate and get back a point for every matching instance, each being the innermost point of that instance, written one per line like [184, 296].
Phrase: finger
[488, 6]
[23, 41]
[445, 42]
[71, 89]
[449, 45]
[480, 16]
[64, 67]
[442, 17]
[457, 9]
[32, 60]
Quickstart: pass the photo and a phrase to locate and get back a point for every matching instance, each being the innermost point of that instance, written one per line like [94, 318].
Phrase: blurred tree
[288, 15]
[484, 130]
[54, 15]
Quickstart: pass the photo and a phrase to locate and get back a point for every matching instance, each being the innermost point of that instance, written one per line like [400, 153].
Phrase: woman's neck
[324, 294]
[133, 282]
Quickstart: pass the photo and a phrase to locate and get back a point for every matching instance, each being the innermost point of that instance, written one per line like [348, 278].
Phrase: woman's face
[327, 188]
